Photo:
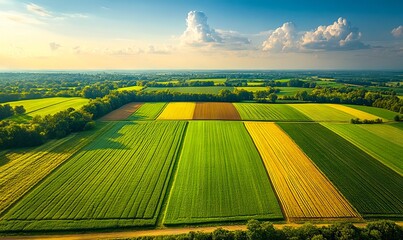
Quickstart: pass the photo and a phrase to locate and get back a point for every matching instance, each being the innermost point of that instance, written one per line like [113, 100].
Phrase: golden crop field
[178, 111]
[302, 189]
[355, 112]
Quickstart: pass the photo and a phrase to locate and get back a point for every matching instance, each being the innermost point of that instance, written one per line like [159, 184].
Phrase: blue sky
[190, 34]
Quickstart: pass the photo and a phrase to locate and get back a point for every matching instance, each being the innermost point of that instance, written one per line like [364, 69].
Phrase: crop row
[121, 174]
[302, 189]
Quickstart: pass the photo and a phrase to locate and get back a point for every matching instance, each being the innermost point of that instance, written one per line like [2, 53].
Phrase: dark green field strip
[381, 141]
[380, 112]
[269, 112]
[220, 177]
[18, 226]
[122, 174]
[371, 187]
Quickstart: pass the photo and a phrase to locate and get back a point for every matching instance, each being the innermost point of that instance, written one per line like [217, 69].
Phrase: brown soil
[216, 111]
[121, 113]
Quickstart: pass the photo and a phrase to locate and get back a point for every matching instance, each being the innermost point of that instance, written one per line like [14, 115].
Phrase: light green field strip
[46, 106]
[356, 113]
[322, 112]
[204, 90]
[220, 177]
[269, 112]
[380, 112]
[383, 142]
[21, 169]
[131, 88]
[122, 174]
[148, 111]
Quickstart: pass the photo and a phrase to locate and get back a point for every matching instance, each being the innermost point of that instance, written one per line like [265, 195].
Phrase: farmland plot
[380, 112]
[178, 111]
[355, 112]
[220, 177]
[215, 111]
[22, 169]
[371, 187]
[46, 106]
[383, 142]
[147, 111]
[322, 112]
[302, 189]
[122, 113]
[121, 175]
[269, 112]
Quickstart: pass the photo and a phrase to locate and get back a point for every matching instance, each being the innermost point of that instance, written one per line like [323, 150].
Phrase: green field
[252, 89]
[220, 177]
[122, 174]
[269, 112]
[291, 91]
[383, 142]
[21, 169]
[131, 88]
[322, 113]
[371, 187]
[217, 81]
[46, 106]
[201, 90]
[147, 111]
[380, 112]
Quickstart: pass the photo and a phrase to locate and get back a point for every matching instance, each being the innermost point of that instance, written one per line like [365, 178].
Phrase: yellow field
[356, 113]
[303, 190]
[175, 111]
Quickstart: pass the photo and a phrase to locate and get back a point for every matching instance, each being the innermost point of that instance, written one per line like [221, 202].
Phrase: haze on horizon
[157, 34]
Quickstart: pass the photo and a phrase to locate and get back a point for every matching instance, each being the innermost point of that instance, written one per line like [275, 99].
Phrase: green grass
[269, 112]
[147, 111]
[291, 91]
[252, 89]
[380, 112]
[322, 113]
[383, 142]
[131, 88]
[21, 169]
[46, 106]
[122, 174]
[201, 90]
[215, 80]
[371, 187]
[220, 177]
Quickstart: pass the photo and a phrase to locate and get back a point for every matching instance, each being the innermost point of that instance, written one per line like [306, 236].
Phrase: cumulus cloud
[397, 32]
[282, 39]
[199, 33]
[54, 46]
[38, 10]
[338, 36]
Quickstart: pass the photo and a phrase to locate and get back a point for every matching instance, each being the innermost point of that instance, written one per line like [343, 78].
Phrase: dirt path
[152, 232]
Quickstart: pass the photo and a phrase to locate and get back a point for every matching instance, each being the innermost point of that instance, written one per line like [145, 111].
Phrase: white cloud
[282, 39]
[338, 36]
[54, 46]
[38, 10]
[397, 32]
[199, 33]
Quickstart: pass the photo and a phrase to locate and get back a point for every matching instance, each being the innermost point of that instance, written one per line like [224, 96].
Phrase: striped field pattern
[302, 189]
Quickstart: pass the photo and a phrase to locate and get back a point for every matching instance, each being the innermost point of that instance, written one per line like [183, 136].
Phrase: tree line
[379, 230]
[7, 111]
[351, 96]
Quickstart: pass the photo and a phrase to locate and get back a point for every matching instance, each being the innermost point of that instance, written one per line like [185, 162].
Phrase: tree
[19, 109]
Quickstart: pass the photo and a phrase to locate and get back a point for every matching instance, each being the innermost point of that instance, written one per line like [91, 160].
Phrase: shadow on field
[113, 138]
[3, 158]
